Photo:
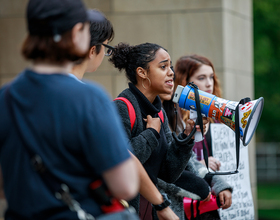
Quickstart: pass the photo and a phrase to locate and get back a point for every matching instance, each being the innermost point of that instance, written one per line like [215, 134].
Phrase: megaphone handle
[198, 135]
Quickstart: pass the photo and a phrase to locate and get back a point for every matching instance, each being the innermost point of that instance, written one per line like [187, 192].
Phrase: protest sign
[224, 149]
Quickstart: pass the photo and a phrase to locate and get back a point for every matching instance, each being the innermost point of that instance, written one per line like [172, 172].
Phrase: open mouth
[169, 82]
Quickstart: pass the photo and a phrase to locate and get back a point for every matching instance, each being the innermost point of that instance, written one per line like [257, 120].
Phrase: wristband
[166, 203]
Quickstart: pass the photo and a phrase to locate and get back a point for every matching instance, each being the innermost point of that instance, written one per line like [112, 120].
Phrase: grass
[270, 191]
[268, 201]
[272, 214]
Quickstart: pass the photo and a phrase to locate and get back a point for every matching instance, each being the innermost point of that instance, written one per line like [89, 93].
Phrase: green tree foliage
[266, 15]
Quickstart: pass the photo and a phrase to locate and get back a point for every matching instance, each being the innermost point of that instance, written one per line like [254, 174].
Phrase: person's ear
[92, 52]
[141, 72]
[75, 33]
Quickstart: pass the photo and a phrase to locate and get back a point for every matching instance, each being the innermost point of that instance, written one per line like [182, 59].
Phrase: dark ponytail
[120, 56]
[129, 58]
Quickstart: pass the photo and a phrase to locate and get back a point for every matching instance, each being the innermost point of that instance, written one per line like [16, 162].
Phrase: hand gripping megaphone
[223, 110]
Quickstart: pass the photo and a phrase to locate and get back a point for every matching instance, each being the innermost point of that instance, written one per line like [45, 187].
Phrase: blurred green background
[266, 15]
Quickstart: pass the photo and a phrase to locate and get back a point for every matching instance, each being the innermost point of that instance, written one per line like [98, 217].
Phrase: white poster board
[224, 149]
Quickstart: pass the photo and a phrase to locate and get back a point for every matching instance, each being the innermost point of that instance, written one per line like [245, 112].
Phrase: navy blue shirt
[76, 130]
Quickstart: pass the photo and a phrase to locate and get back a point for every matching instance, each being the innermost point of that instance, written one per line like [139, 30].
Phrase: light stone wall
[12, 33]
[218, 29]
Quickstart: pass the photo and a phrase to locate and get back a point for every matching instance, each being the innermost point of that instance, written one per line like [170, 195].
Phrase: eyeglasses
[108, 50]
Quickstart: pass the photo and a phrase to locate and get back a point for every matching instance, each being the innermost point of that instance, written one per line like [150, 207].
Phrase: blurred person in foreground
[51, 119]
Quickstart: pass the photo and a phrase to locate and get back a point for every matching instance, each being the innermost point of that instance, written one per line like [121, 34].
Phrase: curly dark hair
[130, 58]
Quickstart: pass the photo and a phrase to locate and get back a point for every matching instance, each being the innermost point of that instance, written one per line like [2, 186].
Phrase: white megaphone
[222, 110]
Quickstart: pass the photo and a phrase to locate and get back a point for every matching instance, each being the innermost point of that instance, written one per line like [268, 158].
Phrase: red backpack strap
[160, 114]
[131, 111]
[130, 108]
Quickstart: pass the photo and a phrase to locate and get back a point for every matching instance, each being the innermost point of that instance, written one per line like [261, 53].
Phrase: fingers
[154, 123]
[198, 128]
[221, 196]
[205, 121]
[227, 204]
[227, 199]
[218, 163]
[190, 122]
[214, 164]
[204, 128]
[189, 126]
[148, 118]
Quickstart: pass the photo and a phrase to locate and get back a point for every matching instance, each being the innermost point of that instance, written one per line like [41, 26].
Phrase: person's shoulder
[2, 95]
[126, 93]
[3, 88]
[13, 81]
[94, 87]
[96, 91]
[6, 86]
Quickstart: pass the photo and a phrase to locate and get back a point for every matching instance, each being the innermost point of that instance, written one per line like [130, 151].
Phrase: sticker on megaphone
[223, 110]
